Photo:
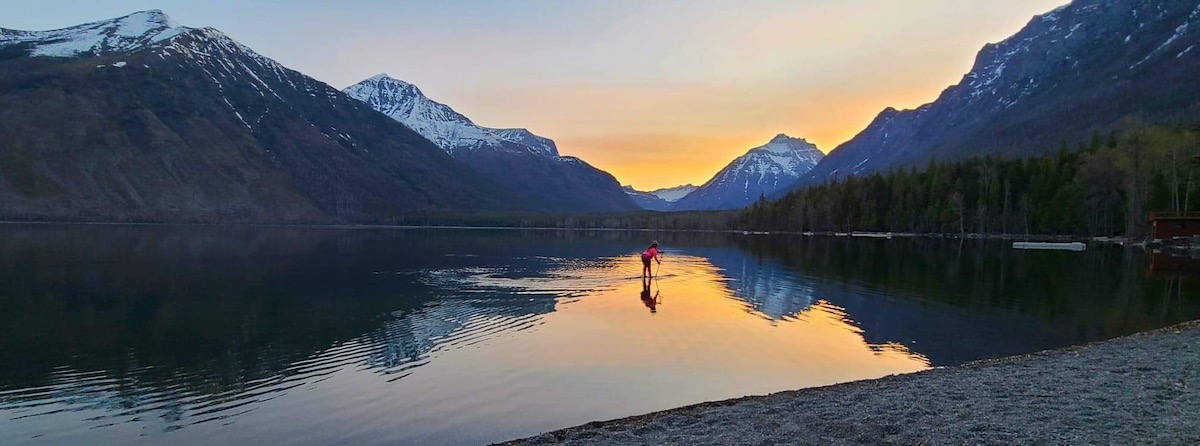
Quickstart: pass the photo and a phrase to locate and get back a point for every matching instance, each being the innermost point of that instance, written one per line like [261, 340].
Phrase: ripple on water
[406, 341]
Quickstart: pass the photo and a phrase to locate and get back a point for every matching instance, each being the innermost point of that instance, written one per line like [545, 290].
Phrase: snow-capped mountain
[1090, 67]
[673, 194]
[129, 33]
[186, 124]
[761, 171]
[439, 123]
[528, 164]
[660, 199]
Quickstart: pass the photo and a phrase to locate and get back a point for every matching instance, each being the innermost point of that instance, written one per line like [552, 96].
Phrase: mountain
[1088, 68]
[528, 164]
[141, 119]
[660, 199]
[673, 194]
[761, 171]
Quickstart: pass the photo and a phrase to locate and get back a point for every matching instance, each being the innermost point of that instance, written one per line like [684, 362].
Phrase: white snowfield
[132, 32]
[439, 123]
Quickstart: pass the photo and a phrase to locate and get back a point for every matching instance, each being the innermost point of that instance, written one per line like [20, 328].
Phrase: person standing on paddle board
[650, 253]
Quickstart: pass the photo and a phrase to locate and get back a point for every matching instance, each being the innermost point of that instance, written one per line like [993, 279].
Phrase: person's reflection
[650, 301]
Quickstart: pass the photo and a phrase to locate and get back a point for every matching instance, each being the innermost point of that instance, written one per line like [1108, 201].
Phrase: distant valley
[659, 199]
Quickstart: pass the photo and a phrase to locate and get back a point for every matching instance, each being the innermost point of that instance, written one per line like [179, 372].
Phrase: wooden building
[1168, 226]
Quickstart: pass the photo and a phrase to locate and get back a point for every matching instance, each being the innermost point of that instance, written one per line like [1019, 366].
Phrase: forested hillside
[1104, 188]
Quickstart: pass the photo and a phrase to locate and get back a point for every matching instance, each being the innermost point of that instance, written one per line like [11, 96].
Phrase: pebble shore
[1140, 389]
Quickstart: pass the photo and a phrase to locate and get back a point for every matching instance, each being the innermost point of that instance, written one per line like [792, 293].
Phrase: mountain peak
[122, 34]
[782, 144]
[781, 137]
[152, 16]
[386, 81]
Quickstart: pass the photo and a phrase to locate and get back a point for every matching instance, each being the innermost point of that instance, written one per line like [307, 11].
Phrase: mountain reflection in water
[241, 334]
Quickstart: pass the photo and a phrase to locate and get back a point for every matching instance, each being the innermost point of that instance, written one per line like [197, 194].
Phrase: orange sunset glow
[665, 94]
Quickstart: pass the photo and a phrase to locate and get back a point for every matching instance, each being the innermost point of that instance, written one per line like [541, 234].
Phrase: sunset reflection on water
[240, 335]
[601, 354]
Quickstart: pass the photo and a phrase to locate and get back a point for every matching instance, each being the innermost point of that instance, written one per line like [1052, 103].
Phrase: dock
[1072, 246]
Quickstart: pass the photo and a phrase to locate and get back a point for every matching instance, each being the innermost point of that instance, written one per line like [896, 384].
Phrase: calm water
[201, 335]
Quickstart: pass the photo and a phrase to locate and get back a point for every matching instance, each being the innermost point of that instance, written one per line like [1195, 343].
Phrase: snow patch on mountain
[439, 123]
[128, 33]
[206, 43]
[783, 155]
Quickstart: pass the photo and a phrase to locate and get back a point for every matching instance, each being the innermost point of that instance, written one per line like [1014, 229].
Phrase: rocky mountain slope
[528, 164]
[1090, 67]
[141, 119]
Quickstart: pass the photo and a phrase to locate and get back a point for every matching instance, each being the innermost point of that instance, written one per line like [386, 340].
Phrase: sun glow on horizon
[661, 96]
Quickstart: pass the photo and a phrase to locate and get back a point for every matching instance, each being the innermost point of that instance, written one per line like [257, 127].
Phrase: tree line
[1106, 187]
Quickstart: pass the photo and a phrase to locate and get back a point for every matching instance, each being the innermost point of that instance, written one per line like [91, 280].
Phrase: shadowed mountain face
[138, 118]
[1093, 66]
[528, 164]
[761, 171]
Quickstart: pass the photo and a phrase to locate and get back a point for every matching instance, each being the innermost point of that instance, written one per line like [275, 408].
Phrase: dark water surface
[242, 335]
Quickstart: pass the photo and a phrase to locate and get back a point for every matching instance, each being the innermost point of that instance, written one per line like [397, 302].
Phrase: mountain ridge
[122, 34]
[440, 123]
[528, 164]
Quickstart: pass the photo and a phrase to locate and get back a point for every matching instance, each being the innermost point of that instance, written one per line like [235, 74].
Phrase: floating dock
[1073, 246]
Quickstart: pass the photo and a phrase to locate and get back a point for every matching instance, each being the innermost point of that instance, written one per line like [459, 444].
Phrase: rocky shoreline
[1139, 389]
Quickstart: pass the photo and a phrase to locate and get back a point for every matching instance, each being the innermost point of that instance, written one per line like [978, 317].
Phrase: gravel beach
[1139, 389]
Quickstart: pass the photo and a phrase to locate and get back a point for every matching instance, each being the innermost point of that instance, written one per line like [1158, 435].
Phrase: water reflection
[179, 326]
[952, 300]
[1173, 265]
[236, 335]
[651, 301]
[770, 288]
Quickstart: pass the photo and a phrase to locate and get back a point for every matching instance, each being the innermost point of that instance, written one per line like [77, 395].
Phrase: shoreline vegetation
[855, 234]
[1137, 389]
[1103, 190]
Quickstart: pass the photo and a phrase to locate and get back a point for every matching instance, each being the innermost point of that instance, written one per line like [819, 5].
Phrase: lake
[115, 335]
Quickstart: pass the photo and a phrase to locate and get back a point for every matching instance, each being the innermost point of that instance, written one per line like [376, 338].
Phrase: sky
[658, 93]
